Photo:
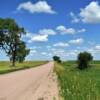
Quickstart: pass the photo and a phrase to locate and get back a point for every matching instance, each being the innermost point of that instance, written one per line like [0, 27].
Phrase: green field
[78, 85]
[5, 67]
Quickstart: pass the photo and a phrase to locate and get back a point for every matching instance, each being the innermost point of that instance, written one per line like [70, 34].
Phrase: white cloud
[47, 32]
[33, 51]
[39, 38]
[44, 53]
[77, 41]
[91, 13]
[43, 34]
[88, 14]
[75, 19]
[61, 44]
[63, 30]
[27, 35]
[29, 41]
[72, 54]
[35, 47]
[48, 47]
[95, 50]
[58, 52]
[39, 7]
[64, 53]
[97, 47]
[81, 30]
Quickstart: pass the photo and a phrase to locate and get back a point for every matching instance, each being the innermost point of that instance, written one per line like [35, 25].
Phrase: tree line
[10, 40]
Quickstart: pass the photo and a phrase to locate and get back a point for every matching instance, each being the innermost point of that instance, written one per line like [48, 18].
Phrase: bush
[59, 61]
[83, 60]
[56, 58]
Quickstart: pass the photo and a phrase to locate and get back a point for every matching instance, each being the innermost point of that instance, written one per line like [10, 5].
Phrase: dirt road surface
[38, 83]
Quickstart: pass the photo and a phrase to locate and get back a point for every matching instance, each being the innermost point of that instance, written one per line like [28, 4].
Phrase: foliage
[83, 60]
[22, 52]
[10, 39]
[56, 58]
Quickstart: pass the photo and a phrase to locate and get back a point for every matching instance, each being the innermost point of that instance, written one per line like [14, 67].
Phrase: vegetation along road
[32, 84]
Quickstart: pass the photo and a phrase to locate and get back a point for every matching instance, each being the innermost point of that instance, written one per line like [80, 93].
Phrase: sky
[56, 27]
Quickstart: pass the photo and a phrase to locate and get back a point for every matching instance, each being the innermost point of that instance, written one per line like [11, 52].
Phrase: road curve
[32, 84]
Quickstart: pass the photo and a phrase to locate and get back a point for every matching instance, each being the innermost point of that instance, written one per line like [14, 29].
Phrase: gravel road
[39, 83]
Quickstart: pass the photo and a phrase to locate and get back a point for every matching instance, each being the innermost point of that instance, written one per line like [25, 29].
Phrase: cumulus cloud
[64, 54]
[76, 41]
[88, 14]
[33, 51]
[91, 13]
[43, 34]
[81, 30]
[39, 7]
[47, 32]
[75, 19]
[58, 52]
[39, 38]
[61, 44]
[95, 50]
[97, 47]
[34, 47]
[44, 53]
[72, 53]
[63, 30]
[27, 35]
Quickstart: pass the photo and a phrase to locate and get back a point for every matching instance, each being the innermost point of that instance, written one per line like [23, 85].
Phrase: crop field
[5, 67]
[76, 84]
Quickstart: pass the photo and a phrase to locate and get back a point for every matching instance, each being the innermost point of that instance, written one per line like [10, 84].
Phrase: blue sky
[56, 27]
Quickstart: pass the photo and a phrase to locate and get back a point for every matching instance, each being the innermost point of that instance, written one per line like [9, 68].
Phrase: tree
[83, 60]
[22, 52]
[10, 38]
[56, 58]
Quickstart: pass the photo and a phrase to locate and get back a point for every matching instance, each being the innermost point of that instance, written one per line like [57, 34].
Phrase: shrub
[83, 60]
[56, 58]
[59, 61]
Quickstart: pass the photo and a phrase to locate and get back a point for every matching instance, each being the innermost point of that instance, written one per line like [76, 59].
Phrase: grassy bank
[78, 85]
[5, 67]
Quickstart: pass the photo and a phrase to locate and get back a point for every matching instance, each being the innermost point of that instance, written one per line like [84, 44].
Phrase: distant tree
[10, 38]
[59, 61]
[83, 60]
[56, 58]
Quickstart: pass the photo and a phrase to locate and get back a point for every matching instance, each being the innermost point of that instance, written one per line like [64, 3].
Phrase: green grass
[5, 67]
[78, 85]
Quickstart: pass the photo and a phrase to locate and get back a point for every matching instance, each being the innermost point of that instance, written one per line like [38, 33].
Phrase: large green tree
[10, 38]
